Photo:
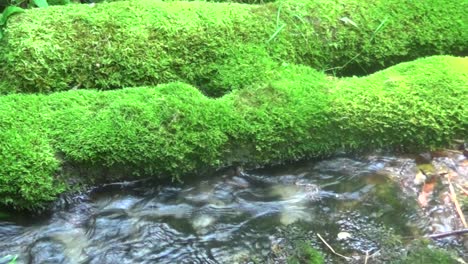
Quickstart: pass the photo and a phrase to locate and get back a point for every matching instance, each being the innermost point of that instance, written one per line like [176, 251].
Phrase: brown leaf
[426, 193]
[464, 163]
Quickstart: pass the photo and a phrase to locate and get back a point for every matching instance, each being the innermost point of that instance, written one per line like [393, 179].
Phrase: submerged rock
[47, 251]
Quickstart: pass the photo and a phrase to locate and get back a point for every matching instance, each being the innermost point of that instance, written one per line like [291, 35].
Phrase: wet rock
[112, 254]
[156, 211]
[239, 182]
[423, 158]
[122, 203]
[201, 222]
[289, 216]
[47, 251]
[109, 225]
[343, 235]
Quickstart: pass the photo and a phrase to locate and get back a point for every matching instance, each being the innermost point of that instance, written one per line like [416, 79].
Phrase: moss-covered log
[174, 130]
[217, 46]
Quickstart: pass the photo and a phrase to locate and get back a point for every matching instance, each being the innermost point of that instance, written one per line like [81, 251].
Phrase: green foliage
[12, 259]
[9, 11]
[28, 163]
[41, 3]
[217, 47]
[407, 101]
[420, 252]
[175, 130]
[305, 254]
[224, 1]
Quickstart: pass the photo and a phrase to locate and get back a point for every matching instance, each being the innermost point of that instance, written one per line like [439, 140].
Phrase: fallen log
[218, 47]
[173, 130]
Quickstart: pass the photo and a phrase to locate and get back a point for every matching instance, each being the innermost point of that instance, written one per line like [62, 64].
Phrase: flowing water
[222, 218]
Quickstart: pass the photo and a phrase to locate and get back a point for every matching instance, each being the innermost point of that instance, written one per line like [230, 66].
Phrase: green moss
[174, 130]
[414, 107]
[217, 47]
[305, 254]
[428, 255]
[421, 252]
[28, 163]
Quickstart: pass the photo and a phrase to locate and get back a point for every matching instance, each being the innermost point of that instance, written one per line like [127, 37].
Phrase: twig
[446, 234]
[367, 256]
[332, 250]
[462, 189]
[453, 195]
[375, 253]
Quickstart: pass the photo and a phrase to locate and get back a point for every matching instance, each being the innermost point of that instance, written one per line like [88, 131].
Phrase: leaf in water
[464, 163]
[347, 21]
[426, 193]
[41, 3]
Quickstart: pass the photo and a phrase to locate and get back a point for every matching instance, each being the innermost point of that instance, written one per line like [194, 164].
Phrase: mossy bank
[217, 47]
[173, 130]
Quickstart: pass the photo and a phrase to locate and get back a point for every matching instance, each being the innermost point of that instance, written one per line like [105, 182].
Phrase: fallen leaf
[464, 163]
[426, 193]
[423, 199]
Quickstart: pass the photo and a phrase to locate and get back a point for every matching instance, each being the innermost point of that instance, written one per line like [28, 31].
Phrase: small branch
[462, 189]
[446, 234]
[375, 253]
[367, 256]
[332, 250]
[453, 195]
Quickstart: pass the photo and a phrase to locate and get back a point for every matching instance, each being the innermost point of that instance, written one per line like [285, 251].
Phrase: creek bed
[228, 217]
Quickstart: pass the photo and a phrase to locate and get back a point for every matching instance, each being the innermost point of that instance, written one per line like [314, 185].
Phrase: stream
[225, 218]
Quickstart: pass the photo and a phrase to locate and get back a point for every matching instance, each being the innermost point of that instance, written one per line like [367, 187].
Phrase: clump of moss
[28, 162]
[421, 252]
[413, 106]
[305, 254]
[217, 47]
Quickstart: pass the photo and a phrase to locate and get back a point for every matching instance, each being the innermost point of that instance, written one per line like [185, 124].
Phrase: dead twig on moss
[332, 250]
[462, 189]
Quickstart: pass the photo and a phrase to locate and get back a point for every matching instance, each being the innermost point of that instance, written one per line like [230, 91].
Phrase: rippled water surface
[220, 219]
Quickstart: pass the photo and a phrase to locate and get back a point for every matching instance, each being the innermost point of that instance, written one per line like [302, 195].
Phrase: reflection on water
[221, 219]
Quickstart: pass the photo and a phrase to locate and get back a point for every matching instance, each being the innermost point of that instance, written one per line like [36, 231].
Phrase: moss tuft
[421, 252]
[218, 47]
[305, 254]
